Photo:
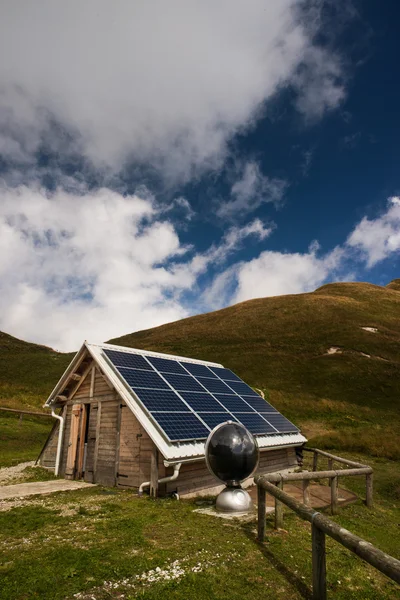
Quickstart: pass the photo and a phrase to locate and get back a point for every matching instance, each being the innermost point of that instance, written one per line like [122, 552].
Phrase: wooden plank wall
[106, 461]
[195, 479]
[48, 457]
[134, 452]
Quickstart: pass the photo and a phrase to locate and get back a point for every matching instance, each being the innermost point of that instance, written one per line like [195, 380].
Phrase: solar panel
[201, 402]
[181, 426]
[242, 388]
[176, 391]
[164, 365]
[198, 370]
[259, 404]
[143, 379]
[225, 374]
[214, 385]
[214, 419]
[127, 359]
[255, 423]
[234, 403]
[161, 400]
[280, 422]
[184, 383]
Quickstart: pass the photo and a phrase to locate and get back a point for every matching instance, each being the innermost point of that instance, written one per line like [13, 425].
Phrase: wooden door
[91, 442]
[73, 441]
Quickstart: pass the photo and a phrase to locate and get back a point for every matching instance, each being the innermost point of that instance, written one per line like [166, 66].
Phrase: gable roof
[172, 451]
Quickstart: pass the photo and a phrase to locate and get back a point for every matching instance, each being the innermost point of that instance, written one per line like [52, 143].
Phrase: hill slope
[28, 372]
[312, 355]
[310, 352]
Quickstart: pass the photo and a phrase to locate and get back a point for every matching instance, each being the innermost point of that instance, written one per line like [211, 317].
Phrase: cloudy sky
[162, 159]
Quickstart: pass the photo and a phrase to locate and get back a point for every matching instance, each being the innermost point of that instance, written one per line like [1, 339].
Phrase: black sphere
[231, 453]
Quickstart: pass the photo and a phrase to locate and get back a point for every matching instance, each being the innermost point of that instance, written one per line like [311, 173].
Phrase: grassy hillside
[309, 352]
[340, 382]
[28, 372]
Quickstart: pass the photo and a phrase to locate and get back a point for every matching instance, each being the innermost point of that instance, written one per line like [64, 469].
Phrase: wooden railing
[321, 525]
[25, 412]
[355, 469]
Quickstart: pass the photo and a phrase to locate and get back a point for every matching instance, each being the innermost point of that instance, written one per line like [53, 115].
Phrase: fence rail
[322, 526]
[331, 474]
[25, 412]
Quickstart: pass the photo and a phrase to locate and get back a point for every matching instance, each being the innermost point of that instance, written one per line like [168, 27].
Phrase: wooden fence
[25, 412]
[321, 525]
[355, 469]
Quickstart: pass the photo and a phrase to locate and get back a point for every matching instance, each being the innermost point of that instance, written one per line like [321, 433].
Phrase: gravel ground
[8, 474]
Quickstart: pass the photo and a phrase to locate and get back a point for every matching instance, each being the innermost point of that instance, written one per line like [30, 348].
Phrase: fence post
[334, 495]
[330, 468]
[306, 493]
[279, 509]
[315, 461]
[318, 563]
[369, 483]
[261, 507]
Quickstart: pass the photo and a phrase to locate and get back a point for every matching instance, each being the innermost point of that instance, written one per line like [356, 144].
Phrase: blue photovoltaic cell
[259, 404]
[233, 403]
[201, 402]
[165, 365]
[242, 388]
[214, 419]
[127, 359]
[143, 379]
[184, 383]
[206, 391]
[198, 370]
[162, 400]
[181, 426]
[225, 374]
[255, 423]
[282, 424]
[214, 385]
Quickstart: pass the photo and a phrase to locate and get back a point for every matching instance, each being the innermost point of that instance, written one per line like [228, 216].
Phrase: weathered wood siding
[134, 452]
[105, 467]
[195, 479]
[48, 454]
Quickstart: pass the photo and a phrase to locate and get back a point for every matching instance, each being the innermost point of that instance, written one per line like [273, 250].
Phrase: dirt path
[20, 490]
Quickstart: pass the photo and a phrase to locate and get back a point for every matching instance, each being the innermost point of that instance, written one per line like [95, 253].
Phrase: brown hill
[329, 359]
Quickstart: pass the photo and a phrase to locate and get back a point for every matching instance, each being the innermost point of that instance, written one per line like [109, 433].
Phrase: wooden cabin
[104, 434]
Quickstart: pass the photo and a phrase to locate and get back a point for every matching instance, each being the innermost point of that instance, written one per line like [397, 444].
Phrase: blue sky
[161, 161]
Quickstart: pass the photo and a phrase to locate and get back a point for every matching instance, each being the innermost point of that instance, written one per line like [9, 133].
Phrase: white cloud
[275, 274]
[319, 82]
[95, 266]
[250, 191]
[377, 239]
[165, 82]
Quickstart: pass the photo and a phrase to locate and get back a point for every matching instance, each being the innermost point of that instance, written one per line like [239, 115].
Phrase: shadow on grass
[281, 567]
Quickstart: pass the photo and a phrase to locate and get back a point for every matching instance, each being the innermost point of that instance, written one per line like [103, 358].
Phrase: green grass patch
[21, 441]
[91, 544]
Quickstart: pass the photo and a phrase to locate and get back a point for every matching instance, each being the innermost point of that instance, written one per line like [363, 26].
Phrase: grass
[21, 441]
[343, 401]
[104, 544]
[28, 372]
[280, 345]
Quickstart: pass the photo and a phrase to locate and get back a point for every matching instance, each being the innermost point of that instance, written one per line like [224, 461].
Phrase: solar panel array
[187, 400]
